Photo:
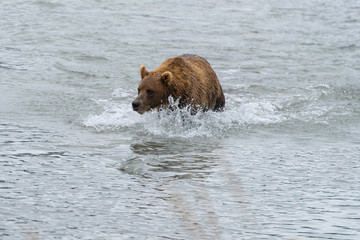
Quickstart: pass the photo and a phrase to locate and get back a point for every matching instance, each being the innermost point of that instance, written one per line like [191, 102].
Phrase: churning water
[281, 162]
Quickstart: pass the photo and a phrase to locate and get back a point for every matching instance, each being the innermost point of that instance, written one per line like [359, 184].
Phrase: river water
[281, 162]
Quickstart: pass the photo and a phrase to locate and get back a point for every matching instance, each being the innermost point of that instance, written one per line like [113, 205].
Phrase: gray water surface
[281, 162]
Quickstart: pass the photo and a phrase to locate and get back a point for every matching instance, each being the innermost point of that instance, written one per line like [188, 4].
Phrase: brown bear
[187, 78]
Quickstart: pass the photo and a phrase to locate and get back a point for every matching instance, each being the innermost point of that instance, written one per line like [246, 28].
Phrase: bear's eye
[150, 93]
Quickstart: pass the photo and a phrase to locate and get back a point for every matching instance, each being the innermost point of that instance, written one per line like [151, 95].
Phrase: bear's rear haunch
[187, 78]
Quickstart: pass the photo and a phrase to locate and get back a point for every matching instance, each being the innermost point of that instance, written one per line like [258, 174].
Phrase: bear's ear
[143, 71]
[166, 78]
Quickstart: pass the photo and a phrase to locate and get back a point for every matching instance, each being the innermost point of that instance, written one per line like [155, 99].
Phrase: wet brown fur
[188, 77]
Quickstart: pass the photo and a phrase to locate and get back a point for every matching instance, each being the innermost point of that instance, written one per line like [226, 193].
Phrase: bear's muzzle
[135, 105]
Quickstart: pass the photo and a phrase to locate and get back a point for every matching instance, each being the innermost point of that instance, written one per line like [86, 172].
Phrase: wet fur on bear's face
[152, 92]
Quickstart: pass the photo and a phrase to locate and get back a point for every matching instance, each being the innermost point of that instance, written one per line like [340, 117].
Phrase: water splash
[246, 107]
[178, 122]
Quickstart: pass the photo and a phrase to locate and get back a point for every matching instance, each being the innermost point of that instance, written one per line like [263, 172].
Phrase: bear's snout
[135, 105]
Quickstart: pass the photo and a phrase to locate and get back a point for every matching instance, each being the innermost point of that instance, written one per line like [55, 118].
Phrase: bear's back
[195, 82]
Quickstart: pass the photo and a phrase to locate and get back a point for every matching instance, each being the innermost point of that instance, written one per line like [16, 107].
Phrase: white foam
[244, 107]
[179, 122]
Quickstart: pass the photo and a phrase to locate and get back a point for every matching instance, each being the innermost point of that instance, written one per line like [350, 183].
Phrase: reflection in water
[199, 223]
[188, 168]
[154, 148]
[31, 234]
[166, 159]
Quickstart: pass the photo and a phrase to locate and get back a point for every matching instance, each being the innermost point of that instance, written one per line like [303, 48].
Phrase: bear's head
[153, 91]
